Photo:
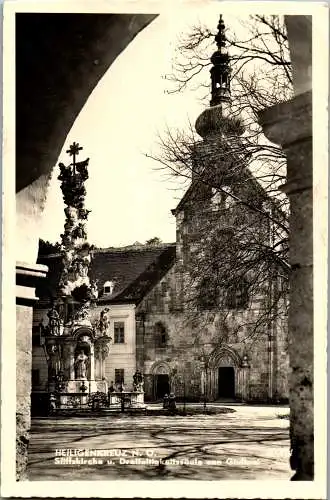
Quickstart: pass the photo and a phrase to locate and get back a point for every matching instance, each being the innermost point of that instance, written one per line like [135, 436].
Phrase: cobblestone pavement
[251, 443]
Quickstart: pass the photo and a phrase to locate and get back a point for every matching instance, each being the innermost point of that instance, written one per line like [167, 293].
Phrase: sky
[130, 198]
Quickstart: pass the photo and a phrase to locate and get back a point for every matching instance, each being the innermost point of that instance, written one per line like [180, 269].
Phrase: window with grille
[119, 375]
[119, 332]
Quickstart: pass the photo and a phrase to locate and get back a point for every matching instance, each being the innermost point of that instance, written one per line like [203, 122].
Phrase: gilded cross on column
[74, 151]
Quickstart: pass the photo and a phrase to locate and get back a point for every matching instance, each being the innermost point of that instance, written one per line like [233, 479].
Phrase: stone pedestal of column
[289, 124]
[26, 280]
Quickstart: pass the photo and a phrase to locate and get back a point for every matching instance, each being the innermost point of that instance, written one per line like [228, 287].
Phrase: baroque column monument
[71, 338]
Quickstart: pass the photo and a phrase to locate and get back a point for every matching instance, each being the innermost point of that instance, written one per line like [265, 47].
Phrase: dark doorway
[226, 383]
[162, 386]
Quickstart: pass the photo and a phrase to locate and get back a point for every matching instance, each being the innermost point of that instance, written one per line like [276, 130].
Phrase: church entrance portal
[162, 385]
[226, 382]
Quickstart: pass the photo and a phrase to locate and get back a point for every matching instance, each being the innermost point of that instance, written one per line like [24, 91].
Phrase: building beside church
[167, 312]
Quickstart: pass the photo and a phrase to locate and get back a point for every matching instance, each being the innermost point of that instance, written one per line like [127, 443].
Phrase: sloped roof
[186, 197]
[135, 271]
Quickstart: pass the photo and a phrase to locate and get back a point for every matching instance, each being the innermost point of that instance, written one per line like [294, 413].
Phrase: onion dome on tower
[217, 119]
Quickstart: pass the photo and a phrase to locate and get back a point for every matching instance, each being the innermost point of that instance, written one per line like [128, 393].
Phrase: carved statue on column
[82, 314]
[60, 383]
[245, 361]
[75, 249]
[81, 363]
[102, 348]
[54, 363]
[54, 321]
[94, 291]
[104, 322]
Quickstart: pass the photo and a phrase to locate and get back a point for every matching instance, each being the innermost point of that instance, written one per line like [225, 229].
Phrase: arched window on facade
[237, 296]
[216, 199]
[228, 200]
[161, 337]
[208, 297]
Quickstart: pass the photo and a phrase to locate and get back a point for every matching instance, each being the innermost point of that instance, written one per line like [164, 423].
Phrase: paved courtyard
[250, 443]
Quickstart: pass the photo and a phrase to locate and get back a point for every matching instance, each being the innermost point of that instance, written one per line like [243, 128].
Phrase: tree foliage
[236, 243]
[154, 241]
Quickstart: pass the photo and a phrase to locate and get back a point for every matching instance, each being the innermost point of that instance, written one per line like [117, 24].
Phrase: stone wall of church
[190, 349]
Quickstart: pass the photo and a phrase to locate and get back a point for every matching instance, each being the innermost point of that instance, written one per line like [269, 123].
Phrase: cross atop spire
[220, 71]
[220, 37]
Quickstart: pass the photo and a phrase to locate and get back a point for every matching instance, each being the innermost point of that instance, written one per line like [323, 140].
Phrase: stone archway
[225, 378]
[58, 82]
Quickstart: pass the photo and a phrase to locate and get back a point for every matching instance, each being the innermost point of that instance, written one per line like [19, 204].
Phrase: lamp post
[122, 396]
[245, 365]
[205, 360]
[205, 387]
[184, 393]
